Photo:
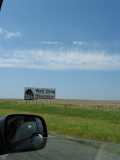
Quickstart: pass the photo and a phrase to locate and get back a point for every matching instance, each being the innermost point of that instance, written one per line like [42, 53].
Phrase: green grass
[80, 122]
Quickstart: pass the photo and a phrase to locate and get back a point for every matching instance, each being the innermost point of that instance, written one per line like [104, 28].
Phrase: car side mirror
[21, 133]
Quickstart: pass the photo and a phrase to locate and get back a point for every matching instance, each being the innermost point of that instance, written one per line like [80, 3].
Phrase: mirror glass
[24, 133]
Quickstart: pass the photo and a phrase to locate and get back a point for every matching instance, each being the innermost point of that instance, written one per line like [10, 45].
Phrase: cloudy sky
[70, 45]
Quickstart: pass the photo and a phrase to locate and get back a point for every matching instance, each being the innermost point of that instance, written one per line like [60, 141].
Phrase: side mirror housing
[21, 133]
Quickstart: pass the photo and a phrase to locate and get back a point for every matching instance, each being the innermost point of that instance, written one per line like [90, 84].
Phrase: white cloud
[51, 60]
[88, 44]
[9, 35]
[80, 43]
[51, 42]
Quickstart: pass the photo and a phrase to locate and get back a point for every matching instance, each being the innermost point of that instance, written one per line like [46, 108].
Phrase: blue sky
[70, 45]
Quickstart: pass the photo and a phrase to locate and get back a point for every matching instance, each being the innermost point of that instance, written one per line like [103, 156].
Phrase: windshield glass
[61, 59]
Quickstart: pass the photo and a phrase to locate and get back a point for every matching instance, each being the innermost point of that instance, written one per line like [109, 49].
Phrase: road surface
[59, 148]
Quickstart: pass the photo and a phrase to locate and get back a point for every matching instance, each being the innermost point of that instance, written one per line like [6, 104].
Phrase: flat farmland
[97, 120]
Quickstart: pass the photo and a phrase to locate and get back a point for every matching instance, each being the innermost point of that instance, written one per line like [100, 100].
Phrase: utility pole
[1, 1]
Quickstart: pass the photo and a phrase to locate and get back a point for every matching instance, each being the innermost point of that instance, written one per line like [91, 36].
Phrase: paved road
[59, 148]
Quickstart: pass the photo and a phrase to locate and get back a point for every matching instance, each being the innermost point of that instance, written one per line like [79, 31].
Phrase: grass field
[91, 121]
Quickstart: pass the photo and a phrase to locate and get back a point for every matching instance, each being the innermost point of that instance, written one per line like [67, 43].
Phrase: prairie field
[97, 120]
